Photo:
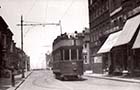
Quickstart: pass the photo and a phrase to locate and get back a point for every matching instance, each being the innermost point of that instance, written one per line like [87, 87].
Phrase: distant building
[86, 50]
[48, 60]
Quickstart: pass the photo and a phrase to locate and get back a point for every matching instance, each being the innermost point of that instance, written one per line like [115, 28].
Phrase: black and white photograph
[69, 44]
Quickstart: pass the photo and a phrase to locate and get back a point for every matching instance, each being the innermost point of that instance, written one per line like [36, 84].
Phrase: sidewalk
[5, 83]
[116, 78]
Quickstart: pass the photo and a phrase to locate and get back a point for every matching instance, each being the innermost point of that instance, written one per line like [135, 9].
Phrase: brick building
[86, 50]
[99, 21]
[10, 55]
[5, 45]
[107, 17]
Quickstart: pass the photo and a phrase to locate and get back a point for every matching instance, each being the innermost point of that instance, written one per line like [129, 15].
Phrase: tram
[67, 57]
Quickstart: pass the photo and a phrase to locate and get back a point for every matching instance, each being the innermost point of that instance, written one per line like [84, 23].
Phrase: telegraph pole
[33, 24]
[60, 26]
[23, 76]
[21, 32]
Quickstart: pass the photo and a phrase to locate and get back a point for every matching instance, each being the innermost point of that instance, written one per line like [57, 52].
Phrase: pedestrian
[12, 77]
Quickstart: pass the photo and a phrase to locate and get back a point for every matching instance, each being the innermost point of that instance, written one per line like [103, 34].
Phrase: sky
[38, 39]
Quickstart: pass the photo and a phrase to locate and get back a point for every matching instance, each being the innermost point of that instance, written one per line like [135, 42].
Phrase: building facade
[107, 17]
[10, 55]
[99, 21]
[5, 45]
[86, 50]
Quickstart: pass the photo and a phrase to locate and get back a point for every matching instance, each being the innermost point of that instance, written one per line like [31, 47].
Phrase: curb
[115, 79]
[22, 81]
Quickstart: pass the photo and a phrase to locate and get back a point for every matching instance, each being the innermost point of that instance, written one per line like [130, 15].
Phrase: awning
[109, 43]
[128, 31]
[137, 42]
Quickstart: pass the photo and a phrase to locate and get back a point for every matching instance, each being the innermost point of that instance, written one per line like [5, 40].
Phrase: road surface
[44, 80]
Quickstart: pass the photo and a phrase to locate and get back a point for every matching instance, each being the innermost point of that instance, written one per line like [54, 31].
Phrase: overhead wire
[26, 15]
[27, 31]
[45, 18]
[46, 7]
[67, 9]
[65, 12]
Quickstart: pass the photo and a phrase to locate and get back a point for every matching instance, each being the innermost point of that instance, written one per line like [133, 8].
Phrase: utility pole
[60, 26]
[33, 24]
[41, 24]
[23, 76]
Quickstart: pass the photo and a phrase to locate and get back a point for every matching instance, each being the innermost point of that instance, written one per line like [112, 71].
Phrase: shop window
[115, 23]
[121, 21]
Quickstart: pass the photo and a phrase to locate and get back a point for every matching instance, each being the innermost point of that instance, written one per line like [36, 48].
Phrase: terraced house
[10, 55]
[5, 39]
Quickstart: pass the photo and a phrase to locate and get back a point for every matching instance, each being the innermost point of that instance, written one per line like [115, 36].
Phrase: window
[92, 37]
[107, 5]
[85, 58]
[85, 45]
[73, 54]
[67, 54]
[120, 21]
[61, 52]
[100, 11]
[115, 23]
[91, 2]
[80, 53]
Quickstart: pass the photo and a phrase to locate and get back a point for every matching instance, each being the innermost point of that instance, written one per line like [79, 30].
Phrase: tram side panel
[56, 62]
[80, 67]
[56, 67]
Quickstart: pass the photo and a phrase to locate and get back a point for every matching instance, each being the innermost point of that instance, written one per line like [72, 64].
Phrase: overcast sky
[38, 39]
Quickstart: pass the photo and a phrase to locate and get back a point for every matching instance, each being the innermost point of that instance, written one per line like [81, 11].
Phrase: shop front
[122, 53]
[105, 52]
[136, 55]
